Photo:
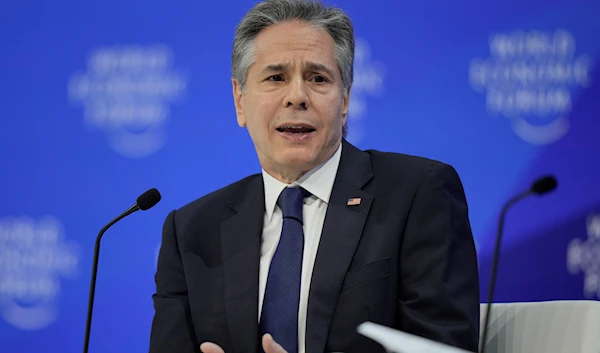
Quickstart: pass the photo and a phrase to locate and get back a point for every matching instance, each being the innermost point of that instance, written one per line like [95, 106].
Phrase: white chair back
[543, 327]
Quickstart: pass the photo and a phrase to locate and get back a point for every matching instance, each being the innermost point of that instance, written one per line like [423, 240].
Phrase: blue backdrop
[101, 100]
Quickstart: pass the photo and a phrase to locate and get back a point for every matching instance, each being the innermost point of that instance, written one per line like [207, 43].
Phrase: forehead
[291, 42]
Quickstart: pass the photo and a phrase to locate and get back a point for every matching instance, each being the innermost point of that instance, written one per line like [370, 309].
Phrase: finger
[270, 345]
[267, 342]
[209, 347]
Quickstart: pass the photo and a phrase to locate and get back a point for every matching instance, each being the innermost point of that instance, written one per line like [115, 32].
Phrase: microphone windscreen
[544, 185]
[148, 199]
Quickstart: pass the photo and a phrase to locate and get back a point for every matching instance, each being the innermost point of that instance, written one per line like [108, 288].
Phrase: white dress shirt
[319, 182]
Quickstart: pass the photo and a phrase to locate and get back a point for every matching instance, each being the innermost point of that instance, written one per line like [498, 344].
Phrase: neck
[286, 176]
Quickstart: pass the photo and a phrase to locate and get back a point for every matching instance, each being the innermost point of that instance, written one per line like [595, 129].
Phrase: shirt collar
[318, 181]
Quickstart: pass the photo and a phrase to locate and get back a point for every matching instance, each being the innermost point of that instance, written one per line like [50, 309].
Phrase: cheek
[333, 114]
[260, 121]
[265, 116]
[254, 110]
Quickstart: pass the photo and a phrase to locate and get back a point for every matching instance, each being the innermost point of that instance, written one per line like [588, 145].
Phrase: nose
[297, 96]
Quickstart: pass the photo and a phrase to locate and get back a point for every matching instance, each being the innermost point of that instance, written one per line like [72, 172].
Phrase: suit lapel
[240, 247]
[341, 233]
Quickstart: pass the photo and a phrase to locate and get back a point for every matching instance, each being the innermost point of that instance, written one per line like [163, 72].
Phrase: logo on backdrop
[368, 80]
[125, 93]
[529, 78]
[584, 256]
[33, 257]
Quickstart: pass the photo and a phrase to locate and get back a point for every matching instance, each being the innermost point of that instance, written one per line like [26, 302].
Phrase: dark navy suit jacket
[404, 257]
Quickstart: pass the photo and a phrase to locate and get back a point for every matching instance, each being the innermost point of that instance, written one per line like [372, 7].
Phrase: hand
[209, 347]
[270, 346]
[268, 343]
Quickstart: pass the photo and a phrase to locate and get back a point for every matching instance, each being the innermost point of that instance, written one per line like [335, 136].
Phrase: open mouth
[296, 132]
[298, 129]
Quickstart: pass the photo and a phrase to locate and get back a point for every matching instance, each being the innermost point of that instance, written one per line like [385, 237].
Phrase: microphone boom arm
[88, 324]
[495, 261]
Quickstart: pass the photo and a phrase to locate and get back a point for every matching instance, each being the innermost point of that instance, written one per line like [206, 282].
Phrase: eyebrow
[319, 67]
[309, 66]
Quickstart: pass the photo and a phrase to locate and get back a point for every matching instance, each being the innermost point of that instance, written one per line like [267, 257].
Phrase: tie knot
[290, 201]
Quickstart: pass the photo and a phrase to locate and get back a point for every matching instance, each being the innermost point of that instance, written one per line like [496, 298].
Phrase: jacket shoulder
[216, 203]
[391, 162]
[399, 170]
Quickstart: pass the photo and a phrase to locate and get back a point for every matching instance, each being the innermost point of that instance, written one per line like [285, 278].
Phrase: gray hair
[273, 12]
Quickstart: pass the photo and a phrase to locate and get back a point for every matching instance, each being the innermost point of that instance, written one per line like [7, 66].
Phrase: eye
[275, 78]
[320, 79]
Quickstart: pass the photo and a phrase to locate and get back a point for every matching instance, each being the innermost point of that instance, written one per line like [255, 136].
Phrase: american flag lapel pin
[353, 201]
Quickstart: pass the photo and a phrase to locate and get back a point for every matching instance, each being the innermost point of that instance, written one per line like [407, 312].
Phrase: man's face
[293, 106]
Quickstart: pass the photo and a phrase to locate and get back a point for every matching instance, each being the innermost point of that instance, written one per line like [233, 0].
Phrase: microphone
[539, 187]
[144, 202]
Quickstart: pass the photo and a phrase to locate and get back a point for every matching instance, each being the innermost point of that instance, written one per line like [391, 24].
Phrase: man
[327, 236]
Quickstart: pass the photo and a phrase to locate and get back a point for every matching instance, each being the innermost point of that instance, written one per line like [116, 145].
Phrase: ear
[345, 106]
[237, 100]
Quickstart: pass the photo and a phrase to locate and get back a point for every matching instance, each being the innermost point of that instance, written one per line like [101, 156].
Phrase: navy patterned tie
[279, 315]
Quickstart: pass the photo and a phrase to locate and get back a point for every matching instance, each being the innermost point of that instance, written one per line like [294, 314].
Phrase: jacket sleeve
[172, 328]
[439, 283]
